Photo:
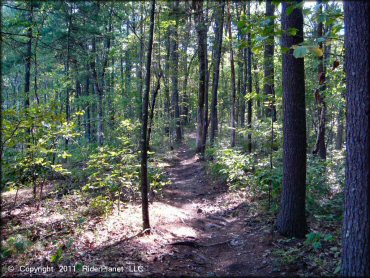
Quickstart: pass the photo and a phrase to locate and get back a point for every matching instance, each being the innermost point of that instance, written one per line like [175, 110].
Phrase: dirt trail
[199, 228]
[217, 232]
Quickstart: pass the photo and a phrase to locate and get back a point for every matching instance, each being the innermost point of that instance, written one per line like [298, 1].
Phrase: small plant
[315, 240]
[55, 258]
[100, 206]
[16, 244]
[235, 166]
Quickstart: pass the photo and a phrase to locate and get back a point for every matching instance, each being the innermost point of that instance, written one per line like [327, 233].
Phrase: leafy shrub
[234, 166]
[316, 239]
[14, 245]
[38, 132]
[100, 205]
[113, 174]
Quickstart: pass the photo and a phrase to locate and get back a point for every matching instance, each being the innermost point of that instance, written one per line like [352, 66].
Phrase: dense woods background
[274, 98]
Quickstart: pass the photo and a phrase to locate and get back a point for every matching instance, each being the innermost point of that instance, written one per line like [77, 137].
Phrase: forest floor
[199, 228]
[215, 232]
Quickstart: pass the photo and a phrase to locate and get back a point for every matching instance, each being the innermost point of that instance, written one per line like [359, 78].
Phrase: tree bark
[202, 56]
[175, 72]
[257, 85]
[340, 128]
[27, 77]
[67, 108]
[144, 143]
[88, 114]
[249, 69]
[233, 85]
[219, 22]
[356, 223]
[185, 99]
[27, 80]
[139, 68]
[152, 107]
[320, 146]
[167, 84]
[292, 219]
[99, 91]
[269, 88]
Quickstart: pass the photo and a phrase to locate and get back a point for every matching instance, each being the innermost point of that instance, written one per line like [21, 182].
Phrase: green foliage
[38, 131]
[55, 258]
[16, 244]
[157, 179]
[100, 205]
[112, 172]
[315, 240]
[234, 166]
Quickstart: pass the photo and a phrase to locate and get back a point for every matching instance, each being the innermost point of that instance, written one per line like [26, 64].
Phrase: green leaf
[318, 51]
[300, 51]
[292, 31]
[337, 269]
[290, 9]
[321, 39]
[316, 245]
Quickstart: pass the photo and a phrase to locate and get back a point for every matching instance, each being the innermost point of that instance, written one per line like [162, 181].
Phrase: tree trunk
[127, 66]
[340, 128]
[257, 84]
[151, 115]
[98, 90]
[233, 85]
[320, 146]
[356, 223]
[139, 68]
[219, 21]
[67, 108]
[175, 72]
[185, 99]
[27, 77]
[88, 114]
[167, 85]
[208, 67]
[249, 69]
[144, 143]
[269, 88]
[27, 80]
[202, 56]
[292, 219]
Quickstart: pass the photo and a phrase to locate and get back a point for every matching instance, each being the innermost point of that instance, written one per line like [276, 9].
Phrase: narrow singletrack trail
[198, 228]
[215, 233]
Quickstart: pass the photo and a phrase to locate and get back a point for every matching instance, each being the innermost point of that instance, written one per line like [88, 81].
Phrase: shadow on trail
[198, 229]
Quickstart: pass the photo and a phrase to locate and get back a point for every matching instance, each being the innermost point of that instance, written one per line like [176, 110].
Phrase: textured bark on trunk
[292, 219]
[27, 77]
[249, 69]
[98, 90]
[67, 108]
[174, 73]
[184, 109]
[269, 88]
[320, 146]
[219, 22]
[340, 128]
[202, 56]
[233, 85]
[88, 114]
[257, 86]
[356, 223]
[167, 85]
[144, 143]
[152, 107]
